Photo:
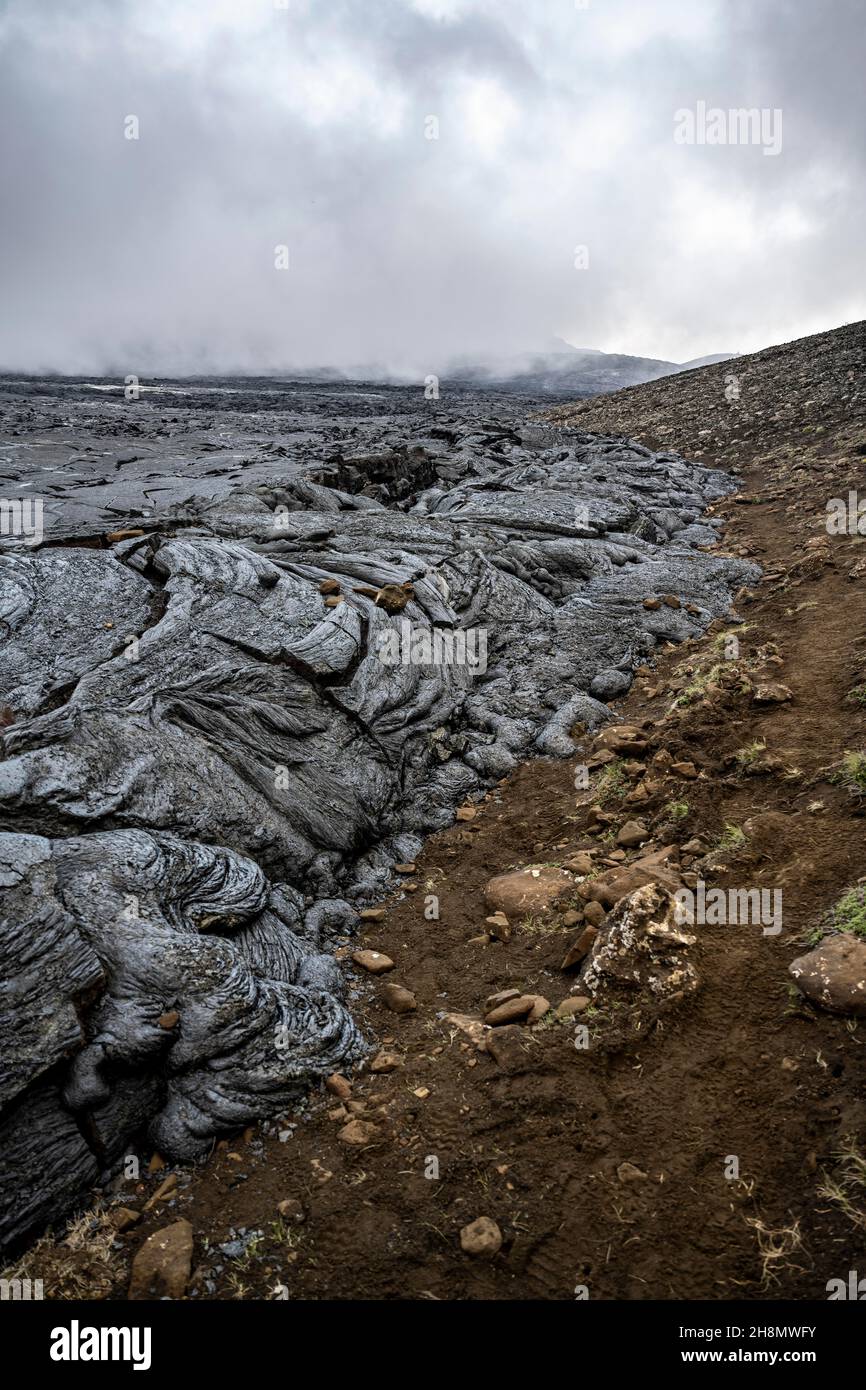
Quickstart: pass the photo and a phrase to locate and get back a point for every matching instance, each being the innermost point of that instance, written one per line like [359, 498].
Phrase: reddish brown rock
[358, 1133]
[512, 1010]
[527, 891]
[575, 1004]
[611, 887]
[498, 926]
[398, 999]
[632, 834]
[579, 948]
[374, 962]
[834, 975]
[162, 1266]
[626, 739]
[338, 1086]
[385, 1062]
[594, 914]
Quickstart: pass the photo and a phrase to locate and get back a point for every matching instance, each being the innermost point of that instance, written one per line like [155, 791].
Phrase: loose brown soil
[743, 1068]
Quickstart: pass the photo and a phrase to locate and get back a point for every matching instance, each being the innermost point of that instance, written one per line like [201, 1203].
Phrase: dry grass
[845, 1186]
[775, 1246]
[81, 1264]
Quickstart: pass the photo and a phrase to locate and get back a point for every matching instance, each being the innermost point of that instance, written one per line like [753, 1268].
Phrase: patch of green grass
[852, 774]
[849, 914]
[732, 837]
[696, 687]
[612, 783]
[857, 695]
[676, 810]
[539, 926]
[748, 756]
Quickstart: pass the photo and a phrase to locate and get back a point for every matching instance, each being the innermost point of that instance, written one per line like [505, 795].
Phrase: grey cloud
[306, 127]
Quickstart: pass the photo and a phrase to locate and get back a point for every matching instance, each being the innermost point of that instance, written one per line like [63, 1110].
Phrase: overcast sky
[306, 126]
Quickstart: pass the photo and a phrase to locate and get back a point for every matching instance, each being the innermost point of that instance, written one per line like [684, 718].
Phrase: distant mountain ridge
[571, 371]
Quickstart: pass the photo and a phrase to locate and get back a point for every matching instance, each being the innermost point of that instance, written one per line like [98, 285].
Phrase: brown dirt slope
[742, 1068]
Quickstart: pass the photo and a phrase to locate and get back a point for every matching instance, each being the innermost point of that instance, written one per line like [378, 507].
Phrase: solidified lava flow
[264, 638]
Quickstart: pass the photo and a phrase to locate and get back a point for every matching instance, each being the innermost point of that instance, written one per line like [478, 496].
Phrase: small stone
[499, 926]
[632, 834]
[622, 738]
[510, 1011]
[162, 1266]
[290, 1209]
[334, 601]
[671, 601]
[372, 914]
[385, 1062]
[538, 1010]
[122, 1218]
[652, 603]
[156, 1163]
[581, 863]
[422, 1092]
[473, 1028]
[790, 1064]
[594, 915]
[127, 535]
[580, 946]
[165, 1187]
[482, 1237]
[374, 962]
[329, 586]
[338, 1086]
[169, 1020]
[572, 918]
[629, 1172]
[575, 1004]
[771, 693]
[466, 812]
[358, 1133]
[404, 869]
[686, 769]
[501, 997]
[398, 999]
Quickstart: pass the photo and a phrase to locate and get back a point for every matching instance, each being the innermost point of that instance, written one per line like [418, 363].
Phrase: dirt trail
[742, 1068]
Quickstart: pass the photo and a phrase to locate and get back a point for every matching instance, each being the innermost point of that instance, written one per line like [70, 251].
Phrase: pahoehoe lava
[208, 768]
